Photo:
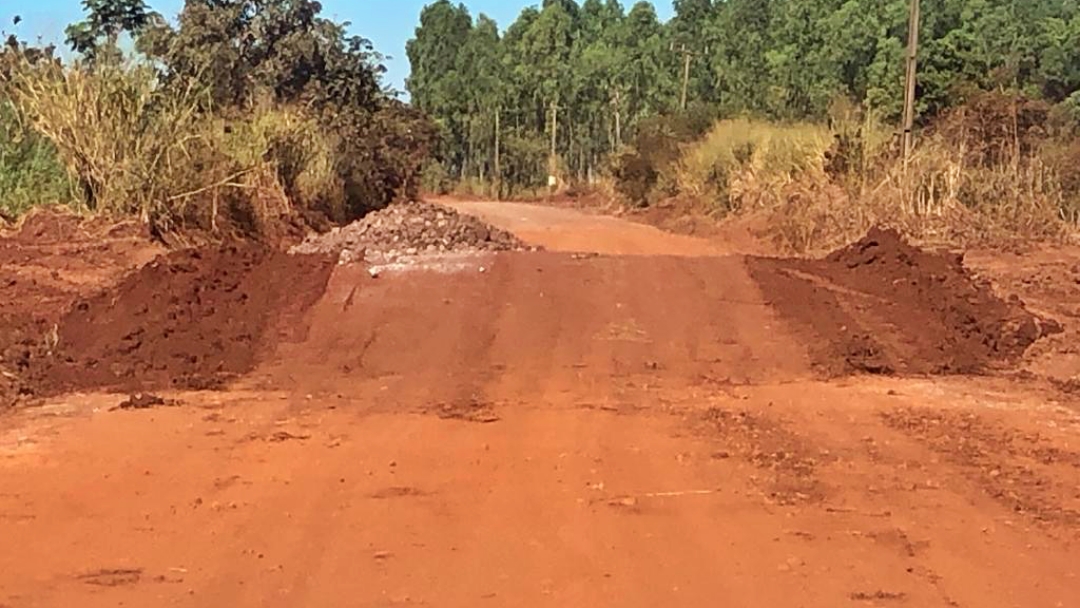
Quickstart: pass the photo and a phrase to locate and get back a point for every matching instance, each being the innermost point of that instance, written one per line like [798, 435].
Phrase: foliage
[986, 171]
[106, 20]
[588, 77]
[741, 159]
[30, 171]
[245, 114]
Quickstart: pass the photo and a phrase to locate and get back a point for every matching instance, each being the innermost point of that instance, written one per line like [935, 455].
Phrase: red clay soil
[191, 319]
[883, 306]
[94, 304]
[47, 263]
[558, 430]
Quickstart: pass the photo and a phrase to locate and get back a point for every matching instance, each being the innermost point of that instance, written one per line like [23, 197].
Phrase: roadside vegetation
[238, 117]
[254, 117]
[787, 109]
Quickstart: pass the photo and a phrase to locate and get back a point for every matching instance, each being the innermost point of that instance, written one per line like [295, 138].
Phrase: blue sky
[388, 23]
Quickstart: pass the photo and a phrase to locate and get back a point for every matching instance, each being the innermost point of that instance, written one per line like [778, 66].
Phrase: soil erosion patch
[191, 319]
[883, 306]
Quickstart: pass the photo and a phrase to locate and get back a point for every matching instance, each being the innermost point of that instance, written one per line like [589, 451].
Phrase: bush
[524, 158]
[243, 117]
[645, 170]
[635, 177]
[744, 163]
[133, 147]
[434, 178]
[994, 170]
[130, 148]
[31, 173]
[986, 172]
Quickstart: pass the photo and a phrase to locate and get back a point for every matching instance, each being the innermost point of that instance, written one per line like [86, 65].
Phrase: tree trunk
[552, 162]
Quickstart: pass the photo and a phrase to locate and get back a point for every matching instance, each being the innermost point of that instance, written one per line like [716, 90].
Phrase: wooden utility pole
[498, 155]
[688, 58]
[685, 77]
[909, 93]
[617, 102]
[553, 162]
[554, 127]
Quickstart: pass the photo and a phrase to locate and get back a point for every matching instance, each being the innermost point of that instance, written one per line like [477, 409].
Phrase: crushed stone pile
[410, 229]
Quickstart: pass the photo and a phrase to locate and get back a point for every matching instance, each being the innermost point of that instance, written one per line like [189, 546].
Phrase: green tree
[741, 35]
[436, 82]
[691, 38]
[105, 21]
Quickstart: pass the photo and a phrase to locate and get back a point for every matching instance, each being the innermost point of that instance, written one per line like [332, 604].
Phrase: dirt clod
[144, 401]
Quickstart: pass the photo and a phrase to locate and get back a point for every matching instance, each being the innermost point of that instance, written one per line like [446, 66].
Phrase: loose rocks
[409, 229]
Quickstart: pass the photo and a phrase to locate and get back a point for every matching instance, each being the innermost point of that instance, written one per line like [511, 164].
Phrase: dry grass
[742, 164]
[949, 193]
[938, 199]
[132, 147]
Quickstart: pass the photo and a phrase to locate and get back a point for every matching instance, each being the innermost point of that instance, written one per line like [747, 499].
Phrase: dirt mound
[48, 261]
[883, 306]
[409, 229]
[191, 319]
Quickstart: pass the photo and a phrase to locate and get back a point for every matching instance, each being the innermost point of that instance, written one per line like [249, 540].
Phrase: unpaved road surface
[550, 429]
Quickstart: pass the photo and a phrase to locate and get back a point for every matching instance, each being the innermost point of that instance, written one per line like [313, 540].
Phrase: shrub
[128, 147]
[31, 173]
[745, 163]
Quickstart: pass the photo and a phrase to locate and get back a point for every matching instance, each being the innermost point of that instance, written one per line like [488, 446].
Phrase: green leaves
[607, 69]
[105, 21]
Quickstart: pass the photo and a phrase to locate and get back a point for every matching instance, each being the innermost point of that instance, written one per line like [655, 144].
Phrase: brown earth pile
[883, 306]
[190, 319]
[409, 229]
[47, 262]
[193, 319]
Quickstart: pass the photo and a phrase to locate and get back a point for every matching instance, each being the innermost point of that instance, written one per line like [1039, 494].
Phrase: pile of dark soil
[883, 306]
[409, 229]
[48, 261]
[191, 319]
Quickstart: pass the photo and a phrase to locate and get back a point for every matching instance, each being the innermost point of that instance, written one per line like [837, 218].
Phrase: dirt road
[548, 429]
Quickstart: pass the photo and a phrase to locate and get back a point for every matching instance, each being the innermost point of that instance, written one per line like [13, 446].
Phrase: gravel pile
[410, 229]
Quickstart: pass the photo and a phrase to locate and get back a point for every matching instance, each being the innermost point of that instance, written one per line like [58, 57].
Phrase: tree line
[575, 82]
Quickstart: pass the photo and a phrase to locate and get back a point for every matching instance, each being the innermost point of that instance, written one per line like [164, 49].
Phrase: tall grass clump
[984, 172]
[745, 163]
[293, 162]
[130, 146]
